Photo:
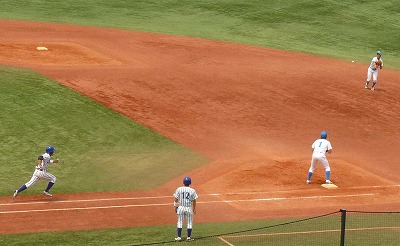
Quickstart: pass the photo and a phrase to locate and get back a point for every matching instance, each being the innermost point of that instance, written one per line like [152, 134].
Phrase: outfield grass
[100, 149]
[323, 230]
[349, 30]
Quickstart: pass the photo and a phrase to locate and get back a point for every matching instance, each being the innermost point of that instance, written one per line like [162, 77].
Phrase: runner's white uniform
[41, 171]
[320, 146]
[185, 196]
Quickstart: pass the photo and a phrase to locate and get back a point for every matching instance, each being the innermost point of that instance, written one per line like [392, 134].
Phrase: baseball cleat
[189, 239]
[366, 87]
[178, 239]
[372, 89]
[308, 182]
[328, 182]
[15, 193]
[47, 193]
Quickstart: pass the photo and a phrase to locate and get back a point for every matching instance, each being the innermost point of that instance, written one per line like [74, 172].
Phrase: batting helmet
[50, 149]
[324, 135]
[187, 180]
[379, 52]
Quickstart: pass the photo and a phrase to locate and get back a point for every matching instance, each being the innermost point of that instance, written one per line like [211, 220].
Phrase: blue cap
[187, 180]
[324, 135]
[379, 52]
[50, 149]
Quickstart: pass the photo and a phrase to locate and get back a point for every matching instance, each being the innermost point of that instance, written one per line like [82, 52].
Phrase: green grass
[205, 233]
[101, 149]
[37, 111]
[350, 30]
[323, 230]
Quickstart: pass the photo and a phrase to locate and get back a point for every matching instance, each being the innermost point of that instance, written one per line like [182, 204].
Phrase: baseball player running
[320, 147]
[41, 172]
[185, 206]
[376, 64]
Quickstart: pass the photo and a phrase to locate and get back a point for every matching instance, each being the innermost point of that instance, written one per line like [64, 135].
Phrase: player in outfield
[185, 206]
[376, 64]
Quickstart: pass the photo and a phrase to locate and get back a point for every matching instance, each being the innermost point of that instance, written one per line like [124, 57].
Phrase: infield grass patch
[101, 150]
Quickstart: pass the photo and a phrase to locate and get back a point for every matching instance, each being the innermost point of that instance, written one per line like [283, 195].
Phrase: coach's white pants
[183, 212]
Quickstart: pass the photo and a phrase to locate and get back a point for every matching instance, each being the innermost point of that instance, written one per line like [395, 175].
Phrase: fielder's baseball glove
[379, 62]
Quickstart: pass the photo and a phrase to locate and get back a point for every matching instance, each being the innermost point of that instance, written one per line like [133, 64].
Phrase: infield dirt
[255, 119]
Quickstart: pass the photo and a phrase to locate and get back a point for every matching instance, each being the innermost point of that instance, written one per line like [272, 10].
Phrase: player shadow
[378, 90]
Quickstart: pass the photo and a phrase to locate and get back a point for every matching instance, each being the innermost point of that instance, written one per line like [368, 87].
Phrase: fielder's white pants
[183, 212]
[37, 175]
[321, 158]
[372, 74]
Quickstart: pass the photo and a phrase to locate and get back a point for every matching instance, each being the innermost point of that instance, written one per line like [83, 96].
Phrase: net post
[343, 226]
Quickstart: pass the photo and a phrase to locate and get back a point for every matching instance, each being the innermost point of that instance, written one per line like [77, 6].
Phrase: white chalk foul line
[169, 204]
[160, 197]
[86, 200]
[291, 198]
[86, 208]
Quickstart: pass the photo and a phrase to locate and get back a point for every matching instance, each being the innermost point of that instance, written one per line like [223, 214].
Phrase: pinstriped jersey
[185, 196]
[45, 162]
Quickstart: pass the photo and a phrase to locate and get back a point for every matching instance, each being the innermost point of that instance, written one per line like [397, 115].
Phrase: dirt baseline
[255, 119]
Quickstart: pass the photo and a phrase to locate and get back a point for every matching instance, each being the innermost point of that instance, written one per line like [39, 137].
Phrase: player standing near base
[185, 206]
[320, 147]
[376, 64]
[41, 172]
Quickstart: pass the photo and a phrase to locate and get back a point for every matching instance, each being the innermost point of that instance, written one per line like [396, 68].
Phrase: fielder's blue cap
[379, 52]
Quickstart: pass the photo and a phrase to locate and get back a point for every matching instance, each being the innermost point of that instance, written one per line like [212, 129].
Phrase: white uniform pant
[37, 175]
[183, 212]
[321, 158]
[372, 74]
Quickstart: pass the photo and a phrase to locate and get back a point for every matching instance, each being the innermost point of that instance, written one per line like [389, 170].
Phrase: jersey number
[185, 195]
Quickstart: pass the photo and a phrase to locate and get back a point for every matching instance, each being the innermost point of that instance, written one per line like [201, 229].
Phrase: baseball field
[135, 95]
